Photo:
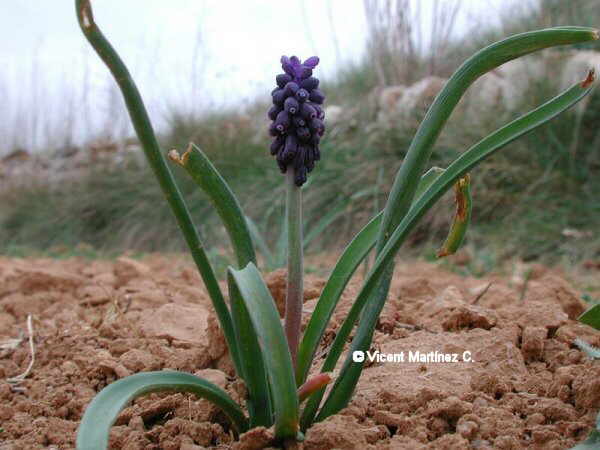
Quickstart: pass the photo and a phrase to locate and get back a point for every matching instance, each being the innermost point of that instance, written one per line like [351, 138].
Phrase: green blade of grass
[251, 289]
[208, 178]
[344, 269]
[591, 317]
[145, 132]
[102, 412]
[346, 381]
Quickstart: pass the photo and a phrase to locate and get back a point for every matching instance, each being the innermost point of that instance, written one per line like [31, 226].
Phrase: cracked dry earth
[97, 321]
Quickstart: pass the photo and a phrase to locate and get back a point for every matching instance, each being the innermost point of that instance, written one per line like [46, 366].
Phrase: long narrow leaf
[344, 269]
[350, 373]
[103, 411]
[252, 364]
[145, 132]
[488, 58]
[353, 255]
[251, 289]
[208, 178]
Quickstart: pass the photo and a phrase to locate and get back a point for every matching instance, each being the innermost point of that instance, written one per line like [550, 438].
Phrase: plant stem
[294, 292]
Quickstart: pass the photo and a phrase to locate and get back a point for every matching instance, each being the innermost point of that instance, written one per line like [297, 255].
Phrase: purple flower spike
[297, 119]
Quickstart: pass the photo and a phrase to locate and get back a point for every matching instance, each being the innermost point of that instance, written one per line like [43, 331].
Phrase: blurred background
[73, 179]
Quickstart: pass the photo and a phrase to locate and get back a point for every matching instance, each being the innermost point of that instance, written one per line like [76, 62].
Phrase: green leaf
[208, 178]
[428, 177]
[104, 409]
[252, 363]
[488, 58]
[344, 269]
[591, 317]
[353, 255]
[346, 381]
[251, 289]
[145, 132]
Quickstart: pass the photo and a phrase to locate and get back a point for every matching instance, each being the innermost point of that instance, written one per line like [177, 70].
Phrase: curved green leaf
[104, 409]
[344, 269]
[356, 251]
[208, 178]
[250, 288]
[346, 381]
[252, 363]
[488, 58]
[145, 132]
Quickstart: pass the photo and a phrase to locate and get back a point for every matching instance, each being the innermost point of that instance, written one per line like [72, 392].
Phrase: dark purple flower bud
[300, 157]
[291, 105]
[282, 122]
[320, 112]
[295, 60]
[310, 83]
[289, 149]
[287, 66]
[283, 79]
[279, 97]
[317, 96]
[280, 162]
[277, 144]
[300, 176]
[299, 122]
[273, 111]
[308, 112]
[303, 133]
[305, 72]
[309, 161]
[291, 88]
[272, 130]
[317, 126]
[311, 62]
[302, 95]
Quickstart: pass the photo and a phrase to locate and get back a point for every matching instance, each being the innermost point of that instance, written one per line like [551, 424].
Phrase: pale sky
[185, 54]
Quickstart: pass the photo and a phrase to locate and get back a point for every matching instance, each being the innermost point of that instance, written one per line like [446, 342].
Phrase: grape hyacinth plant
[285, 385]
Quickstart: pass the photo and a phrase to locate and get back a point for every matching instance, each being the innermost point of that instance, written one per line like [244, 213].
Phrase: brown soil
[528, 386]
